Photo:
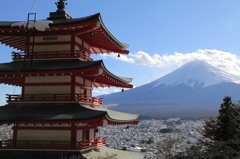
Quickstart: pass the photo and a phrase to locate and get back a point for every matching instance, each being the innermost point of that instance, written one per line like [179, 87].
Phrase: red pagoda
[55, 111]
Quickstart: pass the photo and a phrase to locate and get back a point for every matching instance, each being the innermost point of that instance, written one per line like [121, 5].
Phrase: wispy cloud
[224, 60]
[116, 90]
[101, 91]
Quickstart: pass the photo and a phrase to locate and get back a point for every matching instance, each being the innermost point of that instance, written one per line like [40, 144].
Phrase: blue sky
[163, 35]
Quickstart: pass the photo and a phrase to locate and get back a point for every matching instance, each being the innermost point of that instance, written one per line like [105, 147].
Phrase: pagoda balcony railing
[78, 145]
[83, 99]
[51, 55]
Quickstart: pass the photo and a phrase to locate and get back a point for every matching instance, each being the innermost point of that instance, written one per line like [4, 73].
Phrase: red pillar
[15, 130]
[94, 135]
[85, 134]
[72, 44]
[73, 81]
[23, 87]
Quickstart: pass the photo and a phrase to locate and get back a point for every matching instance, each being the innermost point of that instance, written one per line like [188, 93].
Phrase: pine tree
[221, 136]
[224, 132]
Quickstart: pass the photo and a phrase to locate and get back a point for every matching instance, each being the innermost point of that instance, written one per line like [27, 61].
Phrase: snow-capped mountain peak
[196, 73]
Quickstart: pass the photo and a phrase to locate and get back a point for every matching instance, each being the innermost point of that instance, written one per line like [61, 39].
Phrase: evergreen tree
[224, 132]
[221, 136]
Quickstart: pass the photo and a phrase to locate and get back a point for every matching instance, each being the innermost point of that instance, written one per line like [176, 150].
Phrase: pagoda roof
[115, 116]
[59, 113]
[88, 69]
[101, 41]
[59, 22]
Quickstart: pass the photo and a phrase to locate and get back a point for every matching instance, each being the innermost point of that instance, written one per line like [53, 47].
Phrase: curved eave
[103, 41]
[13, 73]
[109, 33]
[47, 113]
[61, 113]
[56, 22]
[60, 22]
[125, 81]
[17, 67]
[16, 42]
[115, 117]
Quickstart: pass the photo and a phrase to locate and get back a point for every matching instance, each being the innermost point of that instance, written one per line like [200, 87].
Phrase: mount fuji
[197, 74]
[195, 89]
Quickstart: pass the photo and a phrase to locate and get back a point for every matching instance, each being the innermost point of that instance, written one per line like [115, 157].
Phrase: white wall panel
[47, 89]
[79, 135]
[79, 80]
[76, 47]
[88, 83]
[89, 92]
[78, 40]
[91, 134]
[77, 89]
[86, 45]
[44, 135]
[47, 79]
[58, 37]
[44, 48]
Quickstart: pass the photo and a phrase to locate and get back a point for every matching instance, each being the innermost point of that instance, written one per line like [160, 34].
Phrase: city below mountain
[194, 90]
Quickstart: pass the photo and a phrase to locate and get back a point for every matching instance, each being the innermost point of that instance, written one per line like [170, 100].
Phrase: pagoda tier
[36, 125]
[59, 81]
[63, 114]
[64, 39]
[18, 73]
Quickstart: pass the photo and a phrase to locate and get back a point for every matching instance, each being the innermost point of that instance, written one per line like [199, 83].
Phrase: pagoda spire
[61, 5]
[60, 12]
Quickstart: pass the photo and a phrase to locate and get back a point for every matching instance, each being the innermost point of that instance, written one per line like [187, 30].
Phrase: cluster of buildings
[149, 135]
[5, 132]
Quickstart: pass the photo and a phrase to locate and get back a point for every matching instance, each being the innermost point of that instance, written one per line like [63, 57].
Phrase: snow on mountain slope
[196, 73]
[195, 89]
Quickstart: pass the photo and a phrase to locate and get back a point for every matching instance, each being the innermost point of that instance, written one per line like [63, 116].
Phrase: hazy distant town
[148, 135]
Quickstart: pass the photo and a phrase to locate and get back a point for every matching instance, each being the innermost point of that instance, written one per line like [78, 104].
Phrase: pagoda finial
[60, 13]
[61, 5]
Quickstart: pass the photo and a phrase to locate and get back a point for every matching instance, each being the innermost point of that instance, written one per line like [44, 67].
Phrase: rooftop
[37, 113]
[82, 68]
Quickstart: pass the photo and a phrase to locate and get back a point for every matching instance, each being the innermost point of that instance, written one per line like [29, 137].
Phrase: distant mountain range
[193, 90]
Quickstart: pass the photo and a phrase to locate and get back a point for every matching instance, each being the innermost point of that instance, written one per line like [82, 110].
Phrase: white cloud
[100, 91]
[224, 60]
[117, 90]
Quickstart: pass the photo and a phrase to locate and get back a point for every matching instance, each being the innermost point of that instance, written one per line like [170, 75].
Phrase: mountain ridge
[196, 73]
[181, 91]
